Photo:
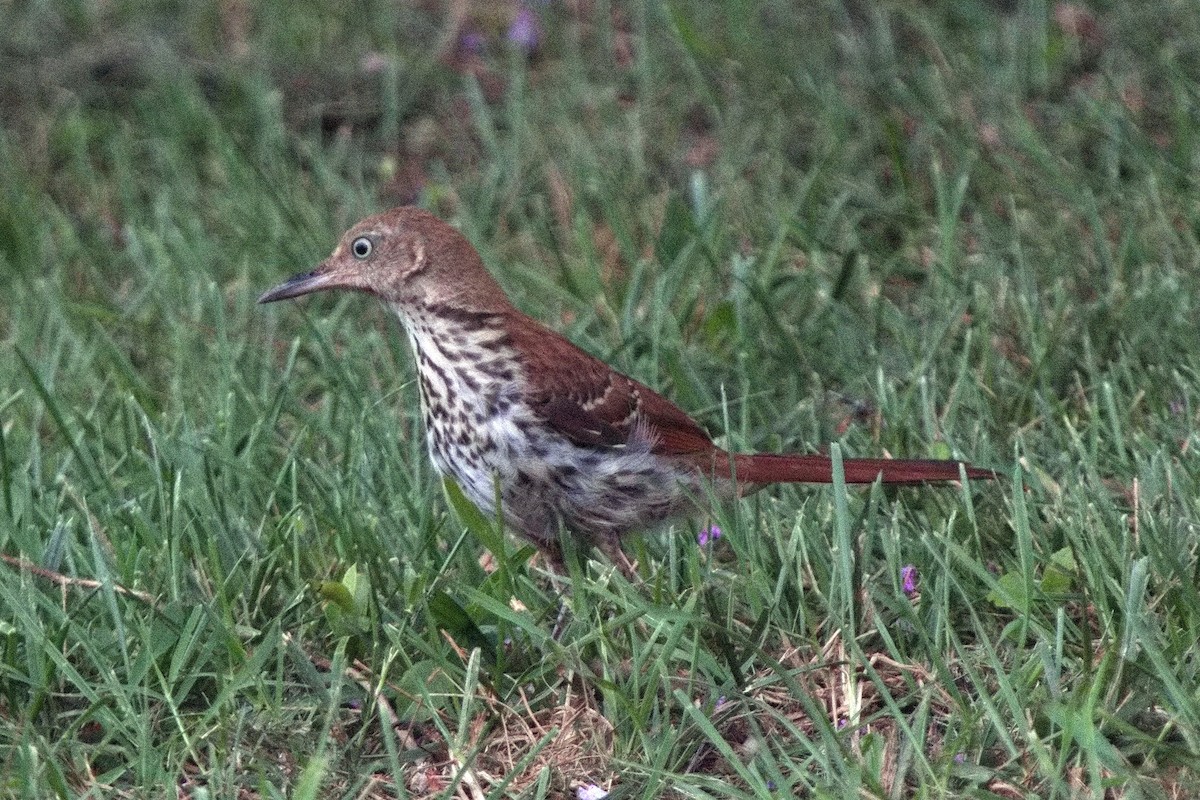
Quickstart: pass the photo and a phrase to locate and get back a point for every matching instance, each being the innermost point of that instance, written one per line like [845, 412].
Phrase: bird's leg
[610, 546]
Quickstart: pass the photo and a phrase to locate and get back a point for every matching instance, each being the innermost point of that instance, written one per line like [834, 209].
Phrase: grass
[961, 228]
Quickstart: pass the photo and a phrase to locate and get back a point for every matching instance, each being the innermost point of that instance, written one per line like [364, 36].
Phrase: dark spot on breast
[631, 490]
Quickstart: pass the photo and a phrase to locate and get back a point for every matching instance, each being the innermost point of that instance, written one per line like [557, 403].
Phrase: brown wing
[592, 404]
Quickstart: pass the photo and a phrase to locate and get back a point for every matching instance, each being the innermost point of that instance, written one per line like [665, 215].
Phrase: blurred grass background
[925, 229]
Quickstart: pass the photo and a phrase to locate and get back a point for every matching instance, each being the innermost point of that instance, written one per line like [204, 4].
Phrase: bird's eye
[361, 247]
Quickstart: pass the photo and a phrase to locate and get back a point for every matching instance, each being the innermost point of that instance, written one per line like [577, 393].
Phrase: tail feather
[765, 468]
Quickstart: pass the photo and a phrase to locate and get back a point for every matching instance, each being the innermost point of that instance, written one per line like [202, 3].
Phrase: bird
[514, 411]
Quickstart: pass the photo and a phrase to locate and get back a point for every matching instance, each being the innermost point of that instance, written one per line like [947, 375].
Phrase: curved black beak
[305, 283]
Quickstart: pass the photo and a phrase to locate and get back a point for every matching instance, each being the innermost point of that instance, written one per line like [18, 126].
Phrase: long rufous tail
[766, 468]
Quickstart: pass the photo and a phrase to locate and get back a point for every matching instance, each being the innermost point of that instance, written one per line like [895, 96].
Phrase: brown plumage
[574, 444]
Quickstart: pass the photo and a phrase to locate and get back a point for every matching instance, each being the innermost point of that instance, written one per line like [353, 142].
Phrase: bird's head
[407, 257]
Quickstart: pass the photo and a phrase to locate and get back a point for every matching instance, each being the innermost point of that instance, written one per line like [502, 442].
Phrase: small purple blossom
[841, 723]
[960, 758]
[590, 792]
[720, 702]
[524, 32]
[472, 41]
[709, 533]
[908, 579]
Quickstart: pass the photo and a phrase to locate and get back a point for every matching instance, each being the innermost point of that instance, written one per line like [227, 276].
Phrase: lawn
[955, 228]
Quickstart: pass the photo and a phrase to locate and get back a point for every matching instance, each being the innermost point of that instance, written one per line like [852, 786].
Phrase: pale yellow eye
[361, 247]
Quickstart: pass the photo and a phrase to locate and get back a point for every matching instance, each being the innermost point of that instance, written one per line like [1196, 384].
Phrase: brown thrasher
[571, 442]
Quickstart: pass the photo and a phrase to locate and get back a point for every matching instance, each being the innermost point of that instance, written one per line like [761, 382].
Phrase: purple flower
[908, 577]
[960, 758]
[472, 41]
[709, 533]
[524, 32]
[720, 702]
